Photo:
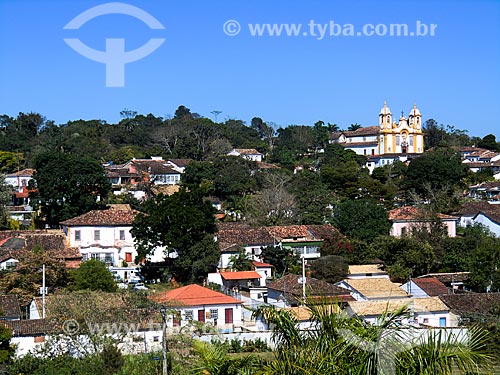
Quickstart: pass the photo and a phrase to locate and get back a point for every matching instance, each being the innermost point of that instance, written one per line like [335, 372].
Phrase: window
[398, 140]
[156, 338]
[403, 231]
[188, 314]
[78, 235]
[128, 257]
[214, 314]
[426, 320]
[97, 235]
[122, 235]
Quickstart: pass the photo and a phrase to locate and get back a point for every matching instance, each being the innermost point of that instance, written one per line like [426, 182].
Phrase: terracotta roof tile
[231, 234]
[409, 213]
[35, 327]
[261, 264]
[431, 286]
[240, 275]
[289, 284]
[28, 172]
[376, 287]
[448, 277]
[429, 304]
[102, 218]
[369, 130]
[194, 295]
[473, 303]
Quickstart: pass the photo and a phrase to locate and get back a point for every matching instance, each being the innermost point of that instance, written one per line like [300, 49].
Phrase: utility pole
[304, 275]
[43, 291]
[163, 311]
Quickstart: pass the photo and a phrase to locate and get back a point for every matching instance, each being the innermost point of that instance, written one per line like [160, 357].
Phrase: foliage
[5, 197]
[93, 275]
[342, 345]
[214, 360]
[240, 261]
[405, 257]
[435, 171]
[112, 359]
[6, 350]
[67, 186]
[312, 198]
[26, 278]
[282, 259]
[361, 219]
[274, 204]
[183, 223]
[331, 268]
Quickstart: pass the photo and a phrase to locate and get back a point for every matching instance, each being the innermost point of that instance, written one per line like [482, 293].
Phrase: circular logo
[231, 27]
[71, 327]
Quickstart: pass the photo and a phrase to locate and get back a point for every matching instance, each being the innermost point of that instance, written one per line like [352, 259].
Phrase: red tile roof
[431, 286]
[194, 295]
[28, 172]
[240, 275]
[34, 327]
[409, 213]
[102, 218]
[261, 264]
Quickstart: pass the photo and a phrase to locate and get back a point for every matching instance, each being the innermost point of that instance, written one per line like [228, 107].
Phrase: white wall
[487, 222]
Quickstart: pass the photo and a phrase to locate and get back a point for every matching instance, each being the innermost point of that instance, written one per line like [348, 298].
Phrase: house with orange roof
[404, 219]
[196, 303]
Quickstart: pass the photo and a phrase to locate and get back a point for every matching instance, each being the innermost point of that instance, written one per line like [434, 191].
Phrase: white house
[247, 153]
[425, 312]
[425, 287]
[103, 235]
[363, 271]
[490, 219]
[196, 303]
[372, 289]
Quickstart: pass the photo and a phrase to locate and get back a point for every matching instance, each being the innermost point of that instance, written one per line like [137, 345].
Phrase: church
[387, 142]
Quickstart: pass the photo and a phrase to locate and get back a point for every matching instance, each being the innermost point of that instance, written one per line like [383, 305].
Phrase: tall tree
[361, 219]
[183, 224]
[93, 275]
[68, 186]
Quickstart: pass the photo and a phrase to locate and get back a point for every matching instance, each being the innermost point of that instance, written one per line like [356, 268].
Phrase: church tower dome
[385, 117]
[415, 118]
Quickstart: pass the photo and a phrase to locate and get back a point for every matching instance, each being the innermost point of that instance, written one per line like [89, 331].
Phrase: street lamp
[163, 311]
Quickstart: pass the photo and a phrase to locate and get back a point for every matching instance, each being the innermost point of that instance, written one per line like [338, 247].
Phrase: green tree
[440, 170]
[240, 261]
[489, 142]
[68, 186]
[6, 350]
[331, 268]
[93, 275]
[182, 223]
[11, 161]
[361, 219]
[282, 259]
[234, 176]
[112, 359]
[5, 197]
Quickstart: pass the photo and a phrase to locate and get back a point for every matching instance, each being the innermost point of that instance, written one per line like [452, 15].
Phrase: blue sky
[453, 76]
